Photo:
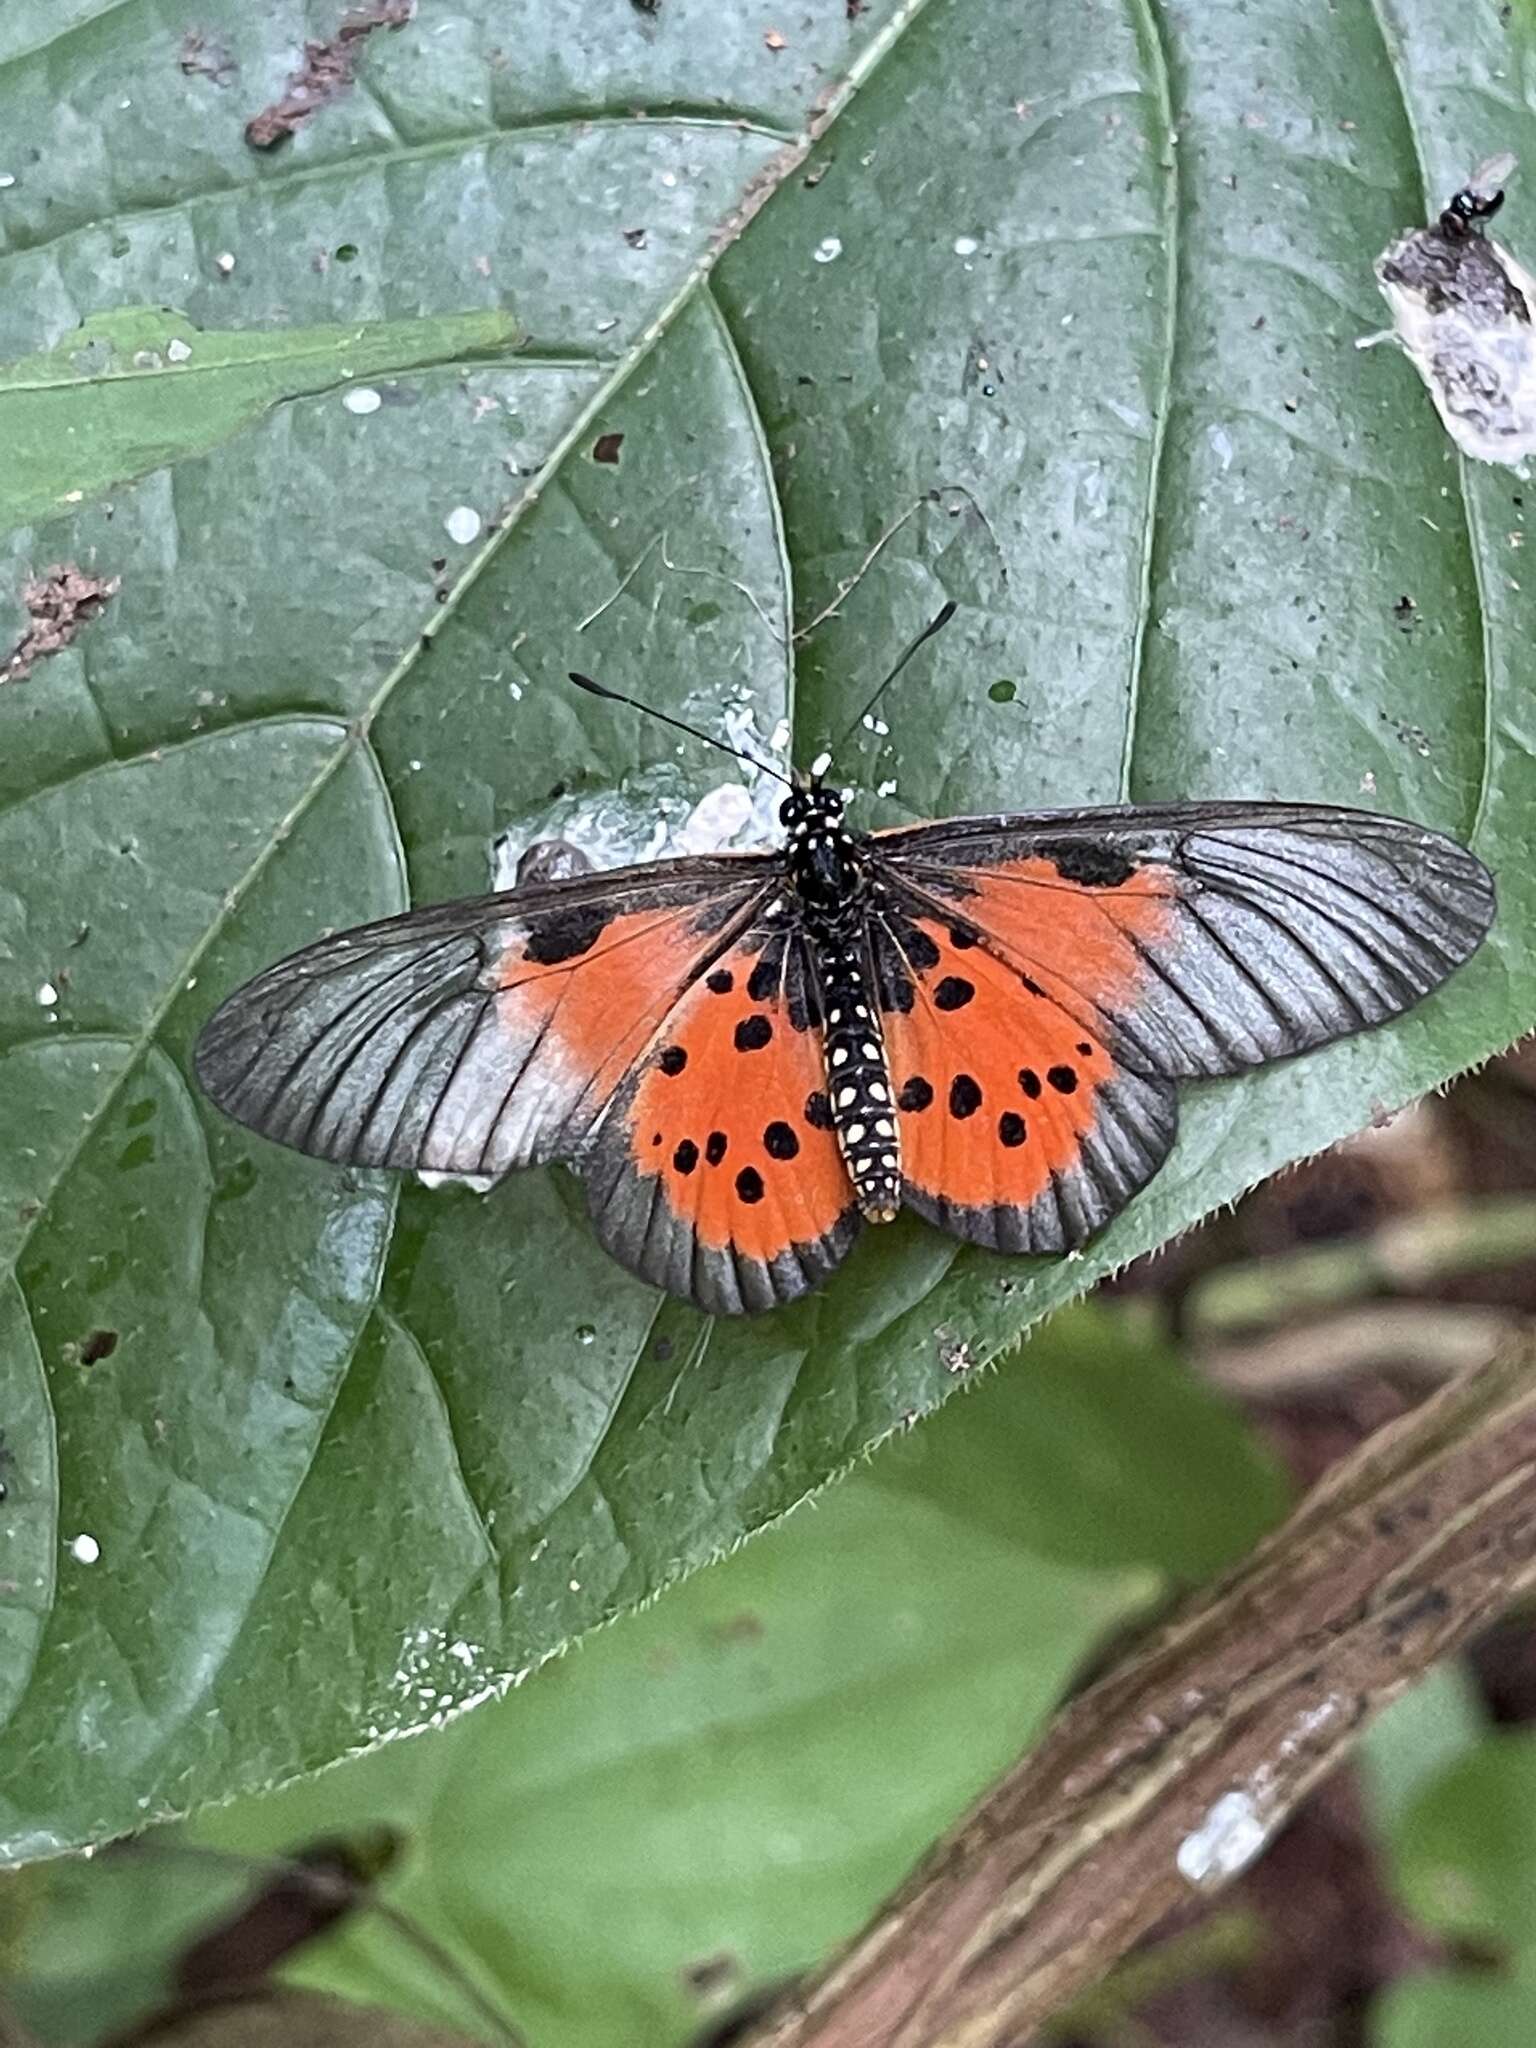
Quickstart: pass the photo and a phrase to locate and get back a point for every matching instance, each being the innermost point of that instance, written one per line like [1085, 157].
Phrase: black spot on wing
[565, 934]
[1089, 862]
[953, 992]
[964, 1095]
[916, 1094]
[753, 1033]
[780, 1142]
[818, 1111]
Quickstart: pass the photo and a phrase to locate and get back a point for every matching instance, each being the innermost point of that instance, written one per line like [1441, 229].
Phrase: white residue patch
[1462, 310]
[715, 819]
[361, 399]
[478, 1183]
[7, 180]
[177, 351]
[778, 739]
[85, 1549]
[659, 816]
[821, 764]
[463, 525]
[47, 995]
[828, 249]
[1221, 446]
[1224, 1844]
[966, 245]
[224, 262]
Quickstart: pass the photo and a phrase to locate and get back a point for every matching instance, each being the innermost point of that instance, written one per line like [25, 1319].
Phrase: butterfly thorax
[829, 875]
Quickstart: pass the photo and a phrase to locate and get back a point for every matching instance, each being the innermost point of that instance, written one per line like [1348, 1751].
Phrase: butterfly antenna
[594, 689]
[939, 620]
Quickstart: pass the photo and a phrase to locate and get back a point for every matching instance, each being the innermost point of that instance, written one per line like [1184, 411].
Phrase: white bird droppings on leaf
[7, 180]
[85, 1549]
[224, 262]
[828, 249]
[715, 819]
[1225, 1843]
[966, 245]
[47, 995]
[463, 525]
[177, 351]
[362, 399]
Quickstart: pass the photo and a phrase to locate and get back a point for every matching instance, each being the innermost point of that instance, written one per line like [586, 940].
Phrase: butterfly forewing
[1058, 973]
[1205, 938]
[477, 1036]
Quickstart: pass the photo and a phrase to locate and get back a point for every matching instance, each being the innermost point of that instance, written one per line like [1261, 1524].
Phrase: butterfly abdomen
[859, 1079]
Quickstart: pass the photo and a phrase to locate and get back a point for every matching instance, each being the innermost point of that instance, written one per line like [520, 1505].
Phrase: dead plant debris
[202, 57]
[59, 602]
[328, 71]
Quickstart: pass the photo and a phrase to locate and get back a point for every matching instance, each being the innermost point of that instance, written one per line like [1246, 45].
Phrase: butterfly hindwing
[477, 1036]
[716, 1173]
[1019, 1128]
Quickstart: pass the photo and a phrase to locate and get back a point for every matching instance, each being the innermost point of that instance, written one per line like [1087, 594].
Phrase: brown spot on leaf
[60, 602]
[327, 72]
[99, 1344]
[606, 447]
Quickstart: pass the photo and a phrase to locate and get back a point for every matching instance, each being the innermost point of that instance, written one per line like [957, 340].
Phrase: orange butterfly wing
[1019, 1129]
[593, 1020]
[716, 1174]
[478, 1036]
[1053, 976]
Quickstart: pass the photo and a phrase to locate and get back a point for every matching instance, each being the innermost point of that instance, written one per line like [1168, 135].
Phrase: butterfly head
[824, 863]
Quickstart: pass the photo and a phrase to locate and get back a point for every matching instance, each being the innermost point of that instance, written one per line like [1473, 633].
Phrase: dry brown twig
[1171, 1772]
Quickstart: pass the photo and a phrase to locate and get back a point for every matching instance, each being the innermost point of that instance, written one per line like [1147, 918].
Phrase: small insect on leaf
[1464, 311]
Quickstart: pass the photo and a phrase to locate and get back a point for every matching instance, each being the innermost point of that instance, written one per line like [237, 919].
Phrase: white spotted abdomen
[859, 1084]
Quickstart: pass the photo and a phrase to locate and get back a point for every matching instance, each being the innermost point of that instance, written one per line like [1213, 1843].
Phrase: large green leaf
[338, 1411]
[727, 1783]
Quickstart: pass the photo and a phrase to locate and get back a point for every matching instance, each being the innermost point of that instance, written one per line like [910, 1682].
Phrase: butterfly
[744, 1057]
